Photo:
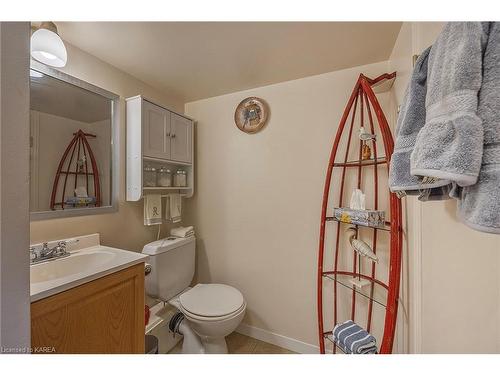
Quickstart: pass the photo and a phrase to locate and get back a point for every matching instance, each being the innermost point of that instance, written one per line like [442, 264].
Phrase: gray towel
[353, 339]
[479, 206]
[449, 146]
[411, 120]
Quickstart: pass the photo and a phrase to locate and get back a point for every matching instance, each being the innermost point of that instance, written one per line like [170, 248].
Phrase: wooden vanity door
[102, 316]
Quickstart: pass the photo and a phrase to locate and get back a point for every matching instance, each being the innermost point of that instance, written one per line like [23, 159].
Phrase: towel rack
[339, 264]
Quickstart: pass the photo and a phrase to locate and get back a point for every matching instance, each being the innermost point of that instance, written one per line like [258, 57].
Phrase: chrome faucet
[46, 253]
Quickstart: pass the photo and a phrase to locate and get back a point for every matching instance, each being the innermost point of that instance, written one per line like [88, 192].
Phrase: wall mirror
[73, 146]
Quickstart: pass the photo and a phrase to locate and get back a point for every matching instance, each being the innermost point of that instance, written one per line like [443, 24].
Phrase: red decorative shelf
[78, 151]
[362, 110]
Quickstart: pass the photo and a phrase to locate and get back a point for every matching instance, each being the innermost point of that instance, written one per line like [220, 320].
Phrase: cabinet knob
[168, 135]
[172, 136]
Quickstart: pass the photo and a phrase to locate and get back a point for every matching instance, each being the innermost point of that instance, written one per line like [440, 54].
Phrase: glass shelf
[329, 337]
[358, 291]
[361, 163]
[386, 228]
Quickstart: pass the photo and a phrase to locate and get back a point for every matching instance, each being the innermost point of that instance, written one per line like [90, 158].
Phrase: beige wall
[258, 197]
[455, 284]
[124, 228]
[14, 187]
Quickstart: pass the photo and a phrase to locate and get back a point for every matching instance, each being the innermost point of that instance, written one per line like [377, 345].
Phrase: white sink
[81, 266]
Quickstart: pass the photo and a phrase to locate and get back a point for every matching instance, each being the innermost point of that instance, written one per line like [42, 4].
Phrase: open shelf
[156, 188]
[386, 228]
[329, 337]
[344, 283]
[361, 163]
[164, 161]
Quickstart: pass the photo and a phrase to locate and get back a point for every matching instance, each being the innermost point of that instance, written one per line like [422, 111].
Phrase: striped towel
[353, 339]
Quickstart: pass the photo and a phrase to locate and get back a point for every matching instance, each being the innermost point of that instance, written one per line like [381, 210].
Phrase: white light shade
[48, 48]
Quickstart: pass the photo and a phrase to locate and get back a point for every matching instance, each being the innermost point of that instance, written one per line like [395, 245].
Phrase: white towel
[152, 209]
[182, 231]
[175, 207]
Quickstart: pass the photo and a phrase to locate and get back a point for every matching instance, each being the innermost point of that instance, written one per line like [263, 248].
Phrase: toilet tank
[172, 266]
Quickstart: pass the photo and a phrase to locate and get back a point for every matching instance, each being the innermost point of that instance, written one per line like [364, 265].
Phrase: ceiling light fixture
[47, 46]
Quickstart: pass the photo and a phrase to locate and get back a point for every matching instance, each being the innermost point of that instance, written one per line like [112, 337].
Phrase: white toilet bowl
[212, 311]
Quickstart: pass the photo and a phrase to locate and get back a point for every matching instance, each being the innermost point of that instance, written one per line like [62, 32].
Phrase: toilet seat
[221, 318]
[211, 302]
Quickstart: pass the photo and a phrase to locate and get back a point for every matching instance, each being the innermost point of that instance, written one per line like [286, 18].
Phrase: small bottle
[180, 179]
[164, 177]
[149, 176]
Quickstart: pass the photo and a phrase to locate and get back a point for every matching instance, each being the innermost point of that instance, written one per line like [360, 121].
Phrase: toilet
[207, 312]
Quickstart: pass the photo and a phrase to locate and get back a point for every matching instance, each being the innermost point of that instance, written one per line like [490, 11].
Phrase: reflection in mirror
[70, 145]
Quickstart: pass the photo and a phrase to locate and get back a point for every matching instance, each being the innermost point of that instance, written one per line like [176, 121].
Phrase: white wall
[123, 229]
[14, 187]
[258, 197]
[455, 283]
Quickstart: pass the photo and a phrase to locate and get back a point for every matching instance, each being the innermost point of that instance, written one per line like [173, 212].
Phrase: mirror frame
[115, 147]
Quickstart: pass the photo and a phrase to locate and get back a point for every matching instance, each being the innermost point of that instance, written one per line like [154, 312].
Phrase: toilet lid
[211, 300]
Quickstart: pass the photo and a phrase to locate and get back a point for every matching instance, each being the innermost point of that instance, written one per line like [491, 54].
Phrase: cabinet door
[181, 144]
[156, 123]
[103, 316]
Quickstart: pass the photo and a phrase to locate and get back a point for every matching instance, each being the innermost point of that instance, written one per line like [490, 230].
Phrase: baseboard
[276, 339]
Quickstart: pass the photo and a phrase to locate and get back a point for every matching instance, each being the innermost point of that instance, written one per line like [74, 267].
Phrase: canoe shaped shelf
[77, 169]
[364, 288]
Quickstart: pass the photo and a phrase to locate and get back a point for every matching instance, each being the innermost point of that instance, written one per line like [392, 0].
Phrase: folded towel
[182, 231]
[450, 145]
[175, 207]
[152, 209]
[353, 339]
[411, 120]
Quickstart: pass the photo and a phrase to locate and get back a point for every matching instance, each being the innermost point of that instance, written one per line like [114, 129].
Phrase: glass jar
[164, 177]
[149, 176]
[180, 179]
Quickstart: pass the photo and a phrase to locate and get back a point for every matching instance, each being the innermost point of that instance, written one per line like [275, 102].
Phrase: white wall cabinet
[181, 135]
[156, 129]
[157, 137]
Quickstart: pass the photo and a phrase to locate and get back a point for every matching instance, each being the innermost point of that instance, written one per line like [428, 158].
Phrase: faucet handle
[61, 247]
[33, 253]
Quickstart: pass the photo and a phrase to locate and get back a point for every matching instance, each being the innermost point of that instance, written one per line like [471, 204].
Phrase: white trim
[277, 339]
[416, 292]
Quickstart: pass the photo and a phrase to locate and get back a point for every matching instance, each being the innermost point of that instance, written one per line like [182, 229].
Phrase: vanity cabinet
[102, 316]
[157, 137]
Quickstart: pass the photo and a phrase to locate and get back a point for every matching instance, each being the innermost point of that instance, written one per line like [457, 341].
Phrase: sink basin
[76, 263]
[80, 267]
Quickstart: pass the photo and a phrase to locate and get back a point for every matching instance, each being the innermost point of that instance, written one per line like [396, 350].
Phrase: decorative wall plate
[251, 114]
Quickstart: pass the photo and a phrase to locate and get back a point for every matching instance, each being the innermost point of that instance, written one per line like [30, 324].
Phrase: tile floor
[241, 344]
